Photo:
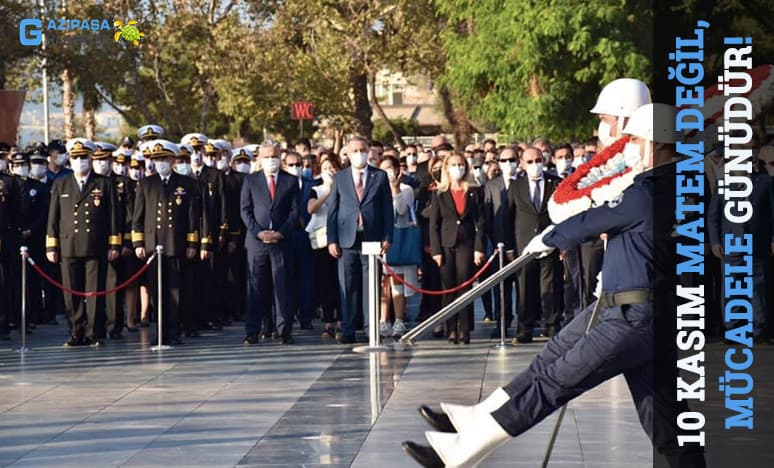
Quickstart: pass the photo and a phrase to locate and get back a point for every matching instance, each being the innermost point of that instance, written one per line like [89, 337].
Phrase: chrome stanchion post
[23, 251]
[502, 345]
[159, 300]
[373, 250]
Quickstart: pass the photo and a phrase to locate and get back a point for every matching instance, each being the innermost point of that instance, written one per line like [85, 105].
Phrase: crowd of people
[272, 236]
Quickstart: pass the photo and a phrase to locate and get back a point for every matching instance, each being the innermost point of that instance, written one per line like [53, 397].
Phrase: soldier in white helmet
[620, 340]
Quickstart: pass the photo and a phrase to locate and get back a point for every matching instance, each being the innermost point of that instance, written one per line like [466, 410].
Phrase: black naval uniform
[209, 284]
[8, 218]
[33, 198]
[236, 265]
[118, 270]
[83, 225]
[168, 215]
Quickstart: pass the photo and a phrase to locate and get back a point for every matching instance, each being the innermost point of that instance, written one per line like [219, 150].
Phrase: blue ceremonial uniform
[621, 342]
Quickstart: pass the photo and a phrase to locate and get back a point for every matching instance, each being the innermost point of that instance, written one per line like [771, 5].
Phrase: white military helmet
[622, 97]
[653, 122]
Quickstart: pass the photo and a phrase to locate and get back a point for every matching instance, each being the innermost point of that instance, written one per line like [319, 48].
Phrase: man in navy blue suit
[269, 208]
[360, 211]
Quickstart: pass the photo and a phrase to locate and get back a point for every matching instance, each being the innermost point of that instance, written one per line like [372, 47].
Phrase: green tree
[534, 68]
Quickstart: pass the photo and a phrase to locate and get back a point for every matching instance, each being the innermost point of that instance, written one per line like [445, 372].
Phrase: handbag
[319, 238]
[406, 243]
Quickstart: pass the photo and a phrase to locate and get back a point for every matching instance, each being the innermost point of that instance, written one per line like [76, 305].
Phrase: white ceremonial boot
[471, 446]
[462, 415]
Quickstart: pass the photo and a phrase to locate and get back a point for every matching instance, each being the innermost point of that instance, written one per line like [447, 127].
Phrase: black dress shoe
[549, 332]
[133, 329]
[145, 323]
[73, 342]
[465, 339]
[346, 339]
[116, 335]
[524, 337]
[251, 339]
[437, 419]
[95, 342]
[423, 455]
[453, 339]
[287, 339]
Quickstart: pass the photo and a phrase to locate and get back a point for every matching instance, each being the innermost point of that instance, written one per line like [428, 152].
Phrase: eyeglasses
[411, 154]
[509, 160]
[294, 165]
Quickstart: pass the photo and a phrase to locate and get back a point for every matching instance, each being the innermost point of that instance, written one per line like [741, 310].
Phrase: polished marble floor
[213, 402]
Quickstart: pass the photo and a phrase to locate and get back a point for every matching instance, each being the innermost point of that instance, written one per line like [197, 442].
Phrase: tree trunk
[68, 104]
[390, 126]
[90, 104]
[363, 113]
[461, 126]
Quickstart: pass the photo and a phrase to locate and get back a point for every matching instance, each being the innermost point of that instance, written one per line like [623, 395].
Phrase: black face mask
[437, 175]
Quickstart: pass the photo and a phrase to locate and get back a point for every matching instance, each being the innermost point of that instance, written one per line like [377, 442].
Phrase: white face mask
[222, 164]
[61, 159]
[411, 160]
[3, 165]
[546, 157]
[535, 170]
[562, 165]
[477, 172]
[508, 169]
[631, 154]
[38, 170]
[254, 167]
[603, 133]
[577, 162]
[196, 159]
[456, 173]
[101, 167]
[149, 166]
[359, 159]
[295, 170]
[242, 168]
[134, 174]
[209, 161]
[183, 169]
[80, 166]
[21, 171]
[163, 168]
[327, 177]
[271, 165]
[391, 174]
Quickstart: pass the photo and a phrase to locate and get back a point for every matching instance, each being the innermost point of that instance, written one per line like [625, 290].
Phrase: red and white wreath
[596, 182]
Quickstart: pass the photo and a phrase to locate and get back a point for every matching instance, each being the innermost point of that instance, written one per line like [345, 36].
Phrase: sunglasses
[295, 165]
[411, 154]
[508, 160]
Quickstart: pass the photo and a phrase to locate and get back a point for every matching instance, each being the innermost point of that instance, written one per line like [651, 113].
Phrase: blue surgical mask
[307, 173]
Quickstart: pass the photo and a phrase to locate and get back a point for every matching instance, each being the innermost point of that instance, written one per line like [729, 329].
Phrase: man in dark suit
[540, 282]
[168, 212]
[360, 211]
[269, 207]
[301, 266]
[500, 227]
[84, 229]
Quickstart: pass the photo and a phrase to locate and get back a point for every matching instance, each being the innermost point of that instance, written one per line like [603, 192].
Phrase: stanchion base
[371, 349]
[504, 346]
[22, 350]
[161, 347]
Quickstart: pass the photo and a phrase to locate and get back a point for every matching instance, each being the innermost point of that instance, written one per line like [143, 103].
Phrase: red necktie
[360, 190]
[272, 187]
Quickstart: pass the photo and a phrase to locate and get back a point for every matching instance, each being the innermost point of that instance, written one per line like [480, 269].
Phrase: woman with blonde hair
[457, 237]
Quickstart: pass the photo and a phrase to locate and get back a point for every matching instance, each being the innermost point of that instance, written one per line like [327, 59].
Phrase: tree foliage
[531, 68]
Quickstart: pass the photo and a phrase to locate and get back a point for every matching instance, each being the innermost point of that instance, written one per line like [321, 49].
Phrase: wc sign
[302, 110]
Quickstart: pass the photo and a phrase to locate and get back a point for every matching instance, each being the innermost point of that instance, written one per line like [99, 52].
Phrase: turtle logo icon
[127, 32]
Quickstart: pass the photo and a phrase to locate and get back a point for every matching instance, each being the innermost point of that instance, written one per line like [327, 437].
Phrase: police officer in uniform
[167, 211]
[84, 232]
[116, 270]
[236, 267]
[620, 340]
[30, 231]
[8, 218]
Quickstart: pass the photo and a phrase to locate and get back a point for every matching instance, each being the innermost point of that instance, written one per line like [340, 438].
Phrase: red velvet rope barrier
[429, 292]
[121, 286]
